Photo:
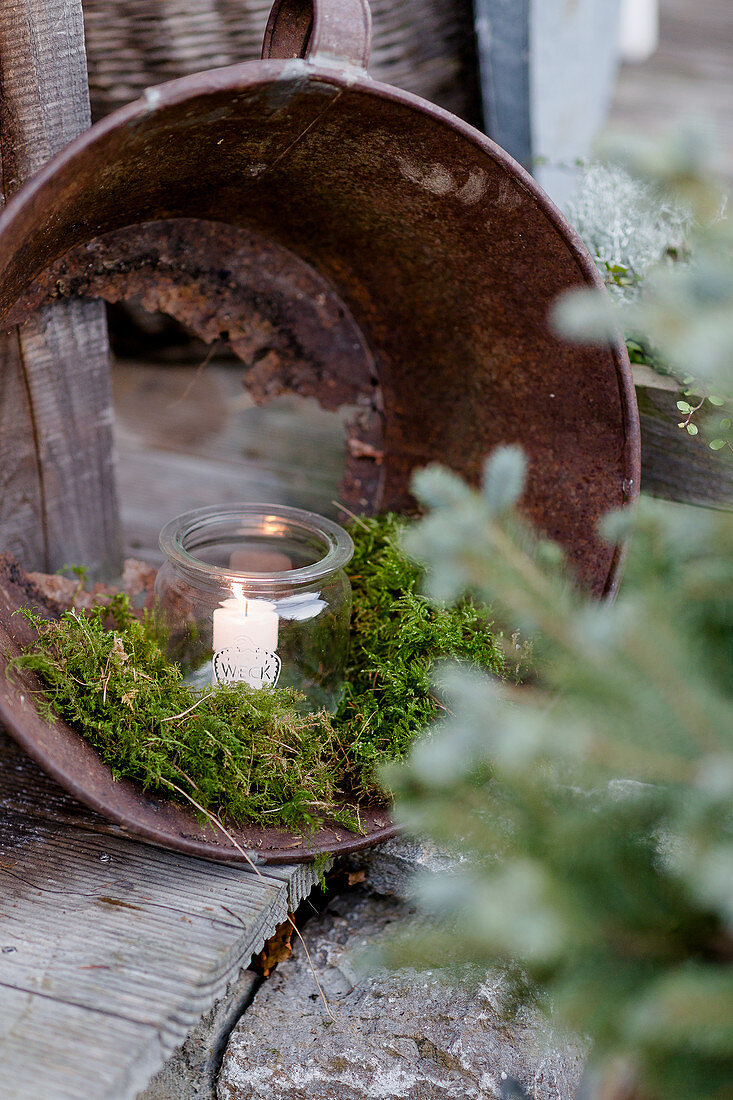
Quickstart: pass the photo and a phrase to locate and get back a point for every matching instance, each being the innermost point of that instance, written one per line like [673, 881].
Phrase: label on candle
[246, 663]
[245, 641]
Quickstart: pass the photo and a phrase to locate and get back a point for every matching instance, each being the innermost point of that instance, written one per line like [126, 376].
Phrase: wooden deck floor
[111, 950]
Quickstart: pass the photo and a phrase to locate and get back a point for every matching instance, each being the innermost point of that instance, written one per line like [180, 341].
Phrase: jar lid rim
[340, 546]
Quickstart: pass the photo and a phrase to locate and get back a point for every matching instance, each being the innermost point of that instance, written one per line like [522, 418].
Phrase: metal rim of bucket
[252, 74]
[333, 35]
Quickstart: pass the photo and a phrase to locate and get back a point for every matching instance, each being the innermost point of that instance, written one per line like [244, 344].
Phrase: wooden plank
[503, 46]
[62, 495]
[66, 366]
[191, 1072]
[62, 1036]
[677, 466]
[111, 950]
[21, 501]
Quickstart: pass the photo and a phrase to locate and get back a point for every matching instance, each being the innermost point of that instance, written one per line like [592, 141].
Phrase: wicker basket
[424, 46]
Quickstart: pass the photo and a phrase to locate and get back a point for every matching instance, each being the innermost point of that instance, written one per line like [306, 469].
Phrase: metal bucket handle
[320, 29]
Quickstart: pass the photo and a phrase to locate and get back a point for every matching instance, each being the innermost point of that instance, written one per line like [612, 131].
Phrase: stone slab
[401, 1035]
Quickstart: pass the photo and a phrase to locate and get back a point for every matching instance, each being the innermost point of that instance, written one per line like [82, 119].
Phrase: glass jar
[258, 593]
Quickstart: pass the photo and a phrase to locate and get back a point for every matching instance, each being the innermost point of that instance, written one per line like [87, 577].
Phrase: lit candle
[245, 641]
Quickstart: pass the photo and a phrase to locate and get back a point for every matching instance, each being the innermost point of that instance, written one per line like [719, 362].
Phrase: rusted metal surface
[446, 255]
[442, 253]
[73, 763]
[320, 29]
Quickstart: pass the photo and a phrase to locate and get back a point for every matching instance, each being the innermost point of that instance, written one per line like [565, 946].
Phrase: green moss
[240, 753]
[251, 755]
[397, 635]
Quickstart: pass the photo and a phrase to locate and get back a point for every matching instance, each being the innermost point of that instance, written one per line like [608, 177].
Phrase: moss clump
[240, 753]
[250, 755]
[397, 634]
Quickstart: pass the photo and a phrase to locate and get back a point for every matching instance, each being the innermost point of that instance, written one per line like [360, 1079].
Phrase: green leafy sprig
[594, 811]
[398, 634]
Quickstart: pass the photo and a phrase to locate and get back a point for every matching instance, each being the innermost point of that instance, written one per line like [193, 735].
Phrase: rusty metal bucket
[351, 242]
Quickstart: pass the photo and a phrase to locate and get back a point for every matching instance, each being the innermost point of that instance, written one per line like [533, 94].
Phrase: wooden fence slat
[503, 46]
[21, 502]
[66, 357]
[674, 465]
[111, 950]
[60, 501]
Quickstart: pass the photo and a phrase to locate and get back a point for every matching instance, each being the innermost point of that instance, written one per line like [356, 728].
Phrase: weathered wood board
[110, 950]
[56, 471]
[674, 465]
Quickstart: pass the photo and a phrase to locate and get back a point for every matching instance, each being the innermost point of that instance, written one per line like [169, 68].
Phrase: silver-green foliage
[629, 225]
[597, 805]
[684, 311]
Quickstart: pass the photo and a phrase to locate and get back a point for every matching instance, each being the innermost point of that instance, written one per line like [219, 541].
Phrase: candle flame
[238, 591]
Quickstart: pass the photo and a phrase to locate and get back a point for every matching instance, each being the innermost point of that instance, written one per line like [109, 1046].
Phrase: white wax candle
[245, 642]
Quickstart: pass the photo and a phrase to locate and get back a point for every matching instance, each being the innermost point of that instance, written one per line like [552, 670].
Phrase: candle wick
[238, 593]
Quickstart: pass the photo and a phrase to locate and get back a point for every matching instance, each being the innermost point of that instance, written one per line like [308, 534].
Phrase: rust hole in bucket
[254, 305]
